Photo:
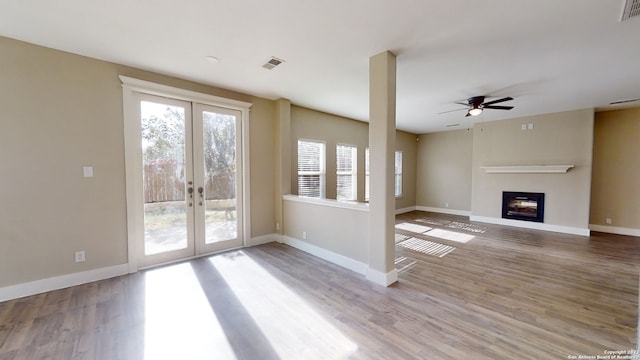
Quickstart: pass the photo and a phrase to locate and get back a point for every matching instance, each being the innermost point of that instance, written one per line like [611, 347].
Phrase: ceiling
[549, 55]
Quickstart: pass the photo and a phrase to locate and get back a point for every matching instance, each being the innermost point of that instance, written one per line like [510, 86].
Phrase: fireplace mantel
[528, 169]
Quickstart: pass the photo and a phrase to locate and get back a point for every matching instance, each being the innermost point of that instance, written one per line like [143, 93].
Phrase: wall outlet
[524, 126]
[80, 256]
[608, 220]
[446, 205]
[304, 235]
[278, 226]
[530, 126]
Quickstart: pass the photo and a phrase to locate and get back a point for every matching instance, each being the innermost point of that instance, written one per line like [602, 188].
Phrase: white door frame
[133, 153]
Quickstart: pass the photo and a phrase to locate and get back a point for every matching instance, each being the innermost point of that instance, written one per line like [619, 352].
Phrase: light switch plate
[87, 171]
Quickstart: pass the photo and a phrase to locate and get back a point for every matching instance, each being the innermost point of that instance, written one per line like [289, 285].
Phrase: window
[346, 172]
[366, 174]
[398, 174]
[311, 168]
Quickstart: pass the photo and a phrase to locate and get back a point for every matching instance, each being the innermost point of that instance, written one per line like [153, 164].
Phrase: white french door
[191, 181]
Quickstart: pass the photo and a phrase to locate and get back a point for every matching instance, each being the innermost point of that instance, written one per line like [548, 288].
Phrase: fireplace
[523, 206]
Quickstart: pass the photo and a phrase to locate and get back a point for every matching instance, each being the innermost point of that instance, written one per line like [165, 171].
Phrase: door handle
[201, 192]
[190, 191]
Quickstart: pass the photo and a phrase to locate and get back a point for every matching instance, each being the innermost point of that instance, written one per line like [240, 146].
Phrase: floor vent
[272, 62]
[631, 9]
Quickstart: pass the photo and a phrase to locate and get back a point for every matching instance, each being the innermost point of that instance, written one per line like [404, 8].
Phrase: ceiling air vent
[272, 62]
[631, 9]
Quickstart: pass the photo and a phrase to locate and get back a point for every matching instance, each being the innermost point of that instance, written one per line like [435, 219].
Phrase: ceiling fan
[476, 105]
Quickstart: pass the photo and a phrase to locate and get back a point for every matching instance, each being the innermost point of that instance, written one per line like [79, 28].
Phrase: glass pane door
[165, 131]
[219, 203]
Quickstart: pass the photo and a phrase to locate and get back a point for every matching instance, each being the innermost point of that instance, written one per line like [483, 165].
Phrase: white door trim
[133, 152]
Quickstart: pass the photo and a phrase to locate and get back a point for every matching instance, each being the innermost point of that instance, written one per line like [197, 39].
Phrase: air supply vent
[272, 62]
[631, 9]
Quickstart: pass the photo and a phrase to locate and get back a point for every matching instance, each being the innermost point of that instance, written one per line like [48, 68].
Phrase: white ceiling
[549, 55]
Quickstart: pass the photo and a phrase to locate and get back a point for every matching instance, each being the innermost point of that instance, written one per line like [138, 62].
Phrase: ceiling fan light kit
[475, 111]
[476, 105]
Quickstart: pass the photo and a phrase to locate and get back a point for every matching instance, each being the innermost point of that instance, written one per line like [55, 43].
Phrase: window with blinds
[366, 174]
[398, 174]
[346, 172]
[311, 168]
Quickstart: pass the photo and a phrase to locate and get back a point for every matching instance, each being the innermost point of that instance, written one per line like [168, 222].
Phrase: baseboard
[532, 225]
[380, 278]
[444, 210]
[60, 282]
[264, 239]
[405, 210]
[345, 262]
[615, 230]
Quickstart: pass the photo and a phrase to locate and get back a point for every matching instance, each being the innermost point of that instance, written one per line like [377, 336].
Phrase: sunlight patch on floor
[426, 247]
[179, 321]
[450, 235]
[403, 263]
[293, 328]
[413, 227]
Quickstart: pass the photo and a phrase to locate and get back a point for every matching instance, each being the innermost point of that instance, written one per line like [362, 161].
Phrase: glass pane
[163, 157]
[219, 133]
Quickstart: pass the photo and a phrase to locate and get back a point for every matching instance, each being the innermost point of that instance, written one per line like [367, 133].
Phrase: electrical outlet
[608, 220]
[524, 126]
[278, 226]
[304, 235]
[446, 205]
[530, 126]
[80, 256]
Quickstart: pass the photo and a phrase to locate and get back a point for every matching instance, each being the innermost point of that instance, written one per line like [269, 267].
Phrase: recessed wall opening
[523, 206]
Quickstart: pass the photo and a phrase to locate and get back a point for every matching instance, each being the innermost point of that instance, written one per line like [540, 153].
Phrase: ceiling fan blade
[623, 101]
[497, 101]
[497, 107]
[444, 112]
[461, 103]
[467, 114]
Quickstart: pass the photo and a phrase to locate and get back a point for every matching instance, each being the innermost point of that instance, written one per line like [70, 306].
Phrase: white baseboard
[264, 239]
[346, 262]
[532, 225]
[60, 282]
[380, 278]
[405, 210]
[444, 210]
[615, 230]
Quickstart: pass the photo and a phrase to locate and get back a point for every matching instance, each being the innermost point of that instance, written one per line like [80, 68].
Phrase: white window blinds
[398, 174]
[311, 168]
[346, 172]
[366, 174]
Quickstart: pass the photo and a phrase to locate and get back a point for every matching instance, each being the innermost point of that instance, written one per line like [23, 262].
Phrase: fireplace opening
[523, 206]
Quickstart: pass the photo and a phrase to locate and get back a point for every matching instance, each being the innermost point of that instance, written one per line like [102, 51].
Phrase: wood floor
[495, 293]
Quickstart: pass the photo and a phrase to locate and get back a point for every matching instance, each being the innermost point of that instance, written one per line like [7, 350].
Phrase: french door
[191, 179]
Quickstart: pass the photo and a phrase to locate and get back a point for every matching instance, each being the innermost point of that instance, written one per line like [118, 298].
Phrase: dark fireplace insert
[523, 206]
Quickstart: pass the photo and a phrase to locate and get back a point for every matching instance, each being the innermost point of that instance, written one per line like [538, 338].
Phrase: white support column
[382, 135]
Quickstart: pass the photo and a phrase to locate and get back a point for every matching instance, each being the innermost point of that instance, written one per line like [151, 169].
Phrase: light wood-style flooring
[465, 291]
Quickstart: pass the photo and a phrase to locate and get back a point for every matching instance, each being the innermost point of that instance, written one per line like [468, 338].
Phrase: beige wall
[315, 125]
[615, 189]
[557, 139]
[444, 170]
[60, 112]
[342, 231]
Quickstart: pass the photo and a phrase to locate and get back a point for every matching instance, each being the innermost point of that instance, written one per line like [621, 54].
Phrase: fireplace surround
[525, 206]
